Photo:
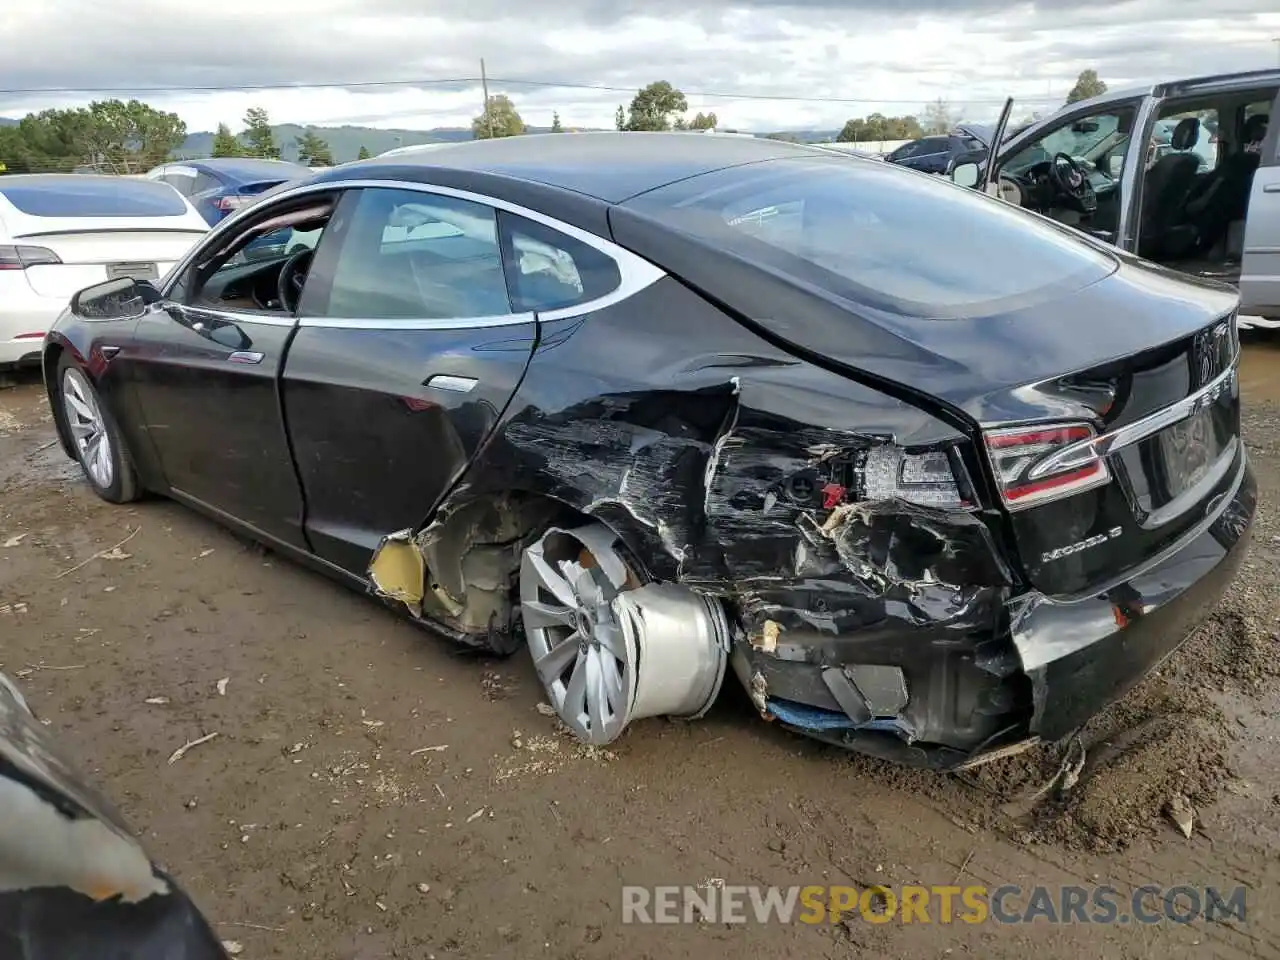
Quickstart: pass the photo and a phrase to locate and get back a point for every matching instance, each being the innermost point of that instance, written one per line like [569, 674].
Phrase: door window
[409, 255]
[180, 178]
[1205, 147]
[550, 271]
[244, 273]
[1100, 141]
[203, 182]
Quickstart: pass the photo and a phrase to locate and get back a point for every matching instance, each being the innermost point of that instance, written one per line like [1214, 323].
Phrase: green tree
[555, 122]
[130, 137]
[313, 150]
[498, 119]
[113, 136]
[652, 108]
[1087, 85]
[703, 121]
[258, 137]
[364, 153]
[784, 136]
[620, 118]
[877, 127]
[225, 143]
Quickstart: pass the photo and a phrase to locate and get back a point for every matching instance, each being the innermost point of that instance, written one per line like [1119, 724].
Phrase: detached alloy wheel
[610, 650]
[98, 445]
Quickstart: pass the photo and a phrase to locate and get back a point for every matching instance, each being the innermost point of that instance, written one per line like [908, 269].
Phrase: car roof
[1217, 83]
[245, 169]
[605, 166]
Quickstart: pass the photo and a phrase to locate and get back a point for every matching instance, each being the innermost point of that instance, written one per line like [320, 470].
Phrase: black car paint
[47, 909]
[676, 416]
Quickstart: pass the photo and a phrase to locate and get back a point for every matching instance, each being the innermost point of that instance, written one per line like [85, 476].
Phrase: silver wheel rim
[88, 429]
[583, 659]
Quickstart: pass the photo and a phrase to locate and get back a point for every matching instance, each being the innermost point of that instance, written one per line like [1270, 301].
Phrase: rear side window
[879, 237]
[409, 255]
[74, 196]
[550, 271]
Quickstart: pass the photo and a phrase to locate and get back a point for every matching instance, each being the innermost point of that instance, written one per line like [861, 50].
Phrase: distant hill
[8, 122]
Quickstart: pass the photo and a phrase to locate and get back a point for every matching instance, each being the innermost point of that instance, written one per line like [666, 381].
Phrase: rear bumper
[25, 317]
[1029, 668]
[1085, 654]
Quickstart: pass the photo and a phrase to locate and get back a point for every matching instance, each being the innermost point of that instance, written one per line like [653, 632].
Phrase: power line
[442, 81]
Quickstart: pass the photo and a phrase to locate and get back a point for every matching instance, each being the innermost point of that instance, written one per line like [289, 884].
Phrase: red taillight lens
[1034, 465]
[21, 257]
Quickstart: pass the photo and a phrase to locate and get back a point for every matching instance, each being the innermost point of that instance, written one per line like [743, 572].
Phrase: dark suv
[936, 154]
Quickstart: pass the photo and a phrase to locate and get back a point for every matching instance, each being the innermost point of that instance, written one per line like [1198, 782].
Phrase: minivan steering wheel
[1067, 175]
[292, 276]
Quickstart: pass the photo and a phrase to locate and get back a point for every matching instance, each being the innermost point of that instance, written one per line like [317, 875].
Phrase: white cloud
[867, 53]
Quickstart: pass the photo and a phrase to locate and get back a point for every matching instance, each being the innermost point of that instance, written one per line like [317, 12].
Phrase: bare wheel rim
[88, 428]
[568, 582]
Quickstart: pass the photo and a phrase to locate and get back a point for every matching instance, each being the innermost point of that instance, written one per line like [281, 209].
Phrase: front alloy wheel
[95, 438]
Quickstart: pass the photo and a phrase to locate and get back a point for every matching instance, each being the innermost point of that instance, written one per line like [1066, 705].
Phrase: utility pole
[1276, 41]
[484, 84]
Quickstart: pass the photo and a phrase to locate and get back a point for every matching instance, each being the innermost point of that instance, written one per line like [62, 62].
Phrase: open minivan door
[1260, 260]
[975, 169]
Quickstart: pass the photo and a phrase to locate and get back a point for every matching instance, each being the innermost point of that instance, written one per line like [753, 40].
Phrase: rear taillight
[21, 257]
[227, 204]
[927, 478]
[1034, 465]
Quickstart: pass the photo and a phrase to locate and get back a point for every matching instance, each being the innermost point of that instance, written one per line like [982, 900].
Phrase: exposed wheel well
[470, 556]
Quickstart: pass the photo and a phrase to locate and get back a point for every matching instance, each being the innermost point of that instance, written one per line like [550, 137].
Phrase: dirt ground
[371, 794]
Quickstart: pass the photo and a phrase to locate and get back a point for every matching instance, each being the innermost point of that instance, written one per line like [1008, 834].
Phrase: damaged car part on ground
[936, 478]
[74, 882]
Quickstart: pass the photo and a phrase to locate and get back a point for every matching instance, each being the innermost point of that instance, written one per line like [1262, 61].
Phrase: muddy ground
[370, 794]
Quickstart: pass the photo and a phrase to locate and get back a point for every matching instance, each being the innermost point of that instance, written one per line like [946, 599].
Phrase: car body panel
[89, 246]
[704, 415]
[206, 182]
[1260, 264]
[76, 884]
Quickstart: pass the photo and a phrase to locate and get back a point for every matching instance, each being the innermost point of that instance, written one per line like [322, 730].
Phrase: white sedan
[60, 233]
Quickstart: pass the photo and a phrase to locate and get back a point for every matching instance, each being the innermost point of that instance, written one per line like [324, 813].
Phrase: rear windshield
[881, 236]
[70, 195]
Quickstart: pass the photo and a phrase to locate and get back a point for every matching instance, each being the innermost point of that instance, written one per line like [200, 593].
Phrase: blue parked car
[218, 186]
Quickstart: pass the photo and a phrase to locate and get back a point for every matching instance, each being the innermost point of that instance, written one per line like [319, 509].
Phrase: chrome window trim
[635, 273]
[235, 316]
[413, 323]
[1087, 452]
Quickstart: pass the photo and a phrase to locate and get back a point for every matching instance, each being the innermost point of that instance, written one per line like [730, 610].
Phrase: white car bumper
[25, 317]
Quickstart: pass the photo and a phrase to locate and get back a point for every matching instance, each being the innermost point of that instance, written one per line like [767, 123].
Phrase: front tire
[95, 437]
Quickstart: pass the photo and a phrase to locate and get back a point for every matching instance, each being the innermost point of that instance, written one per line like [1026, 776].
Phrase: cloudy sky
[759, 64]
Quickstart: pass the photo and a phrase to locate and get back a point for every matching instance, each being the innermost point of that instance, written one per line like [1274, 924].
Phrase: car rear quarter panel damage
[707, 450]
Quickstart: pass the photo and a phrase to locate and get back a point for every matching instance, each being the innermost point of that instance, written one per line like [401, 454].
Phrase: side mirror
[120, 299]
[1085, 126]
[965, 174]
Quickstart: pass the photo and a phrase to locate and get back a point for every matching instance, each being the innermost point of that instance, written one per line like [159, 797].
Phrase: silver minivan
[1206, 202]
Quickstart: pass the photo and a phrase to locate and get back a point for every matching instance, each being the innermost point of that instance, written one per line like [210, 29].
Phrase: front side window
[410, 255]
[256, 270]
[1098, 142]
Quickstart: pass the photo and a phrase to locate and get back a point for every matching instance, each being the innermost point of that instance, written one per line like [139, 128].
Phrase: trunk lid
[91, 256]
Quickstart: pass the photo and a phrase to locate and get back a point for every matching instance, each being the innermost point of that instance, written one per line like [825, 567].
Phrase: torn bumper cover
[986, 672]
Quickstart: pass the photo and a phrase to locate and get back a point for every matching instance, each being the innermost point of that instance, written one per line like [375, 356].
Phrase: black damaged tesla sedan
[935, 477]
